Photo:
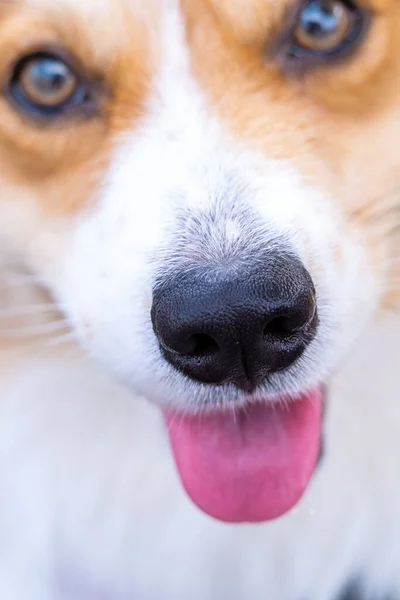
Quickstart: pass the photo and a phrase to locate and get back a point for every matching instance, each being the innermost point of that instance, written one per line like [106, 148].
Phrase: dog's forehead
[89, 7]
[105, 23]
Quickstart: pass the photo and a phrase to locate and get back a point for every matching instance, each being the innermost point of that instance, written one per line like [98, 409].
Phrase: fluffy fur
[204, 153]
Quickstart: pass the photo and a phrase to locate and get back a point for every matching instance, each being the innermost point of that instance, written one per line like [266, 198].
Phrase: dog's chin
[251, 464]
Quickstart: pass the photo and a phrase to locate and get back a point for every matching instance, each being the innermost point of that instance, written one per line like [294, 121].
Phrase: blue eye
[322, 25]
[325, 28]
[45, 85]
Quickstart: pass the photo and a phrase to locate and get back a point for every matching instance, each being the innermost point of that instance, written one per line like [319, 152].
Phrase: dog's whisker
[29, 310]
[12, 278]
[62, 339]
[69, 345]
[43, 329]
[379, 207]
[390, 194]
[381, 222]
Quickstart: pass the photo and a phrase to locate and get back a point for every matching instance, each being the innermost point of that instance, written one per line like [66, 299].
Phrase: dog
[199, 246]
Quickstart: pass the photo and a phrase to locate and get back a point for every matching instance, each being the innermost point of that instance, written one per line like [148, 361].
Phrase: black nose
[237, 326]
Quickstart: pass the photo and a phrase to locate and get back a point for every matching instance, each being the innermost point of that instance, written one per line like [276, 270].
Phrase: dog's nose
[237, 326]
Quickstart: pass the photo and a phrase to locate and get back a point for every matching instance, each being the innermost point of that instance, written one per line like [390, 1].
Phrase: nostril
[288, 325]
[280, 327]
[193, 346]
[200, 345]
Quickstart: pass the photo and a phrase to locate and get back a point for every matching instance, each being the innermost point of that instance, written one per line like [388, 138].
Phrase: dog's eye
[45, 85]
[323, 29]
[322, 25]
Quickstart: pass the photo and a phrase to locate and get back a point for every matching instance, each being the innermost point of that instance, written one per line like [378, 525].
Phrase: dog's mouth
[253, 465]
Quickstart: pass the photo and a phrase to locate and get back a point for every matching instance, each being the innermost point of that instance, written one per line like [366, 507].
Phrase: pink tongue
[252, 467]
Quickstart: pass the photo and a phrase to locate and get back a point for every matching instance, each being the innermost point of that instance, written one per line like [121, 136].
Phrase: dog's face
[148, 148]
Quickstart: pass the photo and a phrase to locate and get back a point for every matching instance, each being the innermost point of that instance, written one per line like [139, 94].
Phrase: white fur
[91, 507]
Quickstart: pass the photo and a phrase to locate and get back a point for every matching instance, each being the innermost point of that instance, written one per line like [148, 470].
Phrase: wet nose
[236, 326]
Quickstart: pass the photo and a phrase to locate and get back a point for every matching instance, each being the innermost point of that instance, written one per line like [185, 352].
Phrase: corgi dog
[199, 294]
